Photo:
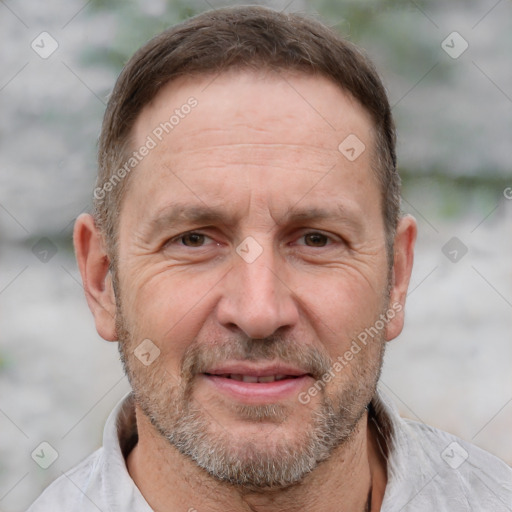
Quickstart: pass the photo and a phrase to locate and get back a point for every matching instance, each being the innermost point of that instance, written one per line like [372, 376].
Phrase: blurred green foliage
[353, 18]
[137, 28]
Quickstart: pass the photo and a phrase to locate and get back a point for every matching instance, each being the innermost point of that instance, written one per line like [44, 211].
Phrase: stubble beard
[174, 412]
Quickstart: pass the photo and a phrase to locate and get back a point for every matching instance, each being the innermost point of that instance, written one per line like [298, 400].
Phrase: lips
[252, 384]
[254, 378]
[246, 372]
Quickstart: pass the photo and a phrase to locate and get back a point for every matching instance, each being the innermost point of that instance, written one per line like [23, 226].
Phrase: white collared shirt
[428, 470]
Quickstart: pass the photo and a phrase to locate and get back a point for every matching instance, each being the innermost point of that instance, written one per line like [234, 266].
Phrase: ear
[405, 238]
[94, 263]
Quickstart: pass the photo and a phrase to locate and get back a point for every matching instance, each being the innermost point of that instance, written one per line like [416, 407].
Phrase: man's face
[252, 254]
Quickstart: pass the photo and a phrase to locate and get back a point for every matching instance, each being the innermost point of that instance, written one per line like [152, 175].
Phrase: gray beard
[187, 425]
[284, 465]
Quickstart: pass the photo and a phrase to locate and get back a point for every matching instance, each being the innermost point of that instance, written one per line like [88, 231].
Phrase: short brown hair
[241, 38]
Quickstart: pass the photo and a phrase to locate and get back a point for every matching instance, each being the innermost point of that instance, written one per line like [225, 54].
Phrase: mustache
[201, 357]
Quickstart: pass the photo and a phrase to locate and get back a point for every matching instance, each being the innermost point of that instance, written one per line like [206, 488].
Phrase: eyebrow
[206, 215]
[339, 213]
[184, 213]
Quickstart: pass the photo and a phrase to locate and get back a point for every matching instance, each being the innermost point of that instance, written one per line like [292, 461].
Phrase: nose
[256, 299]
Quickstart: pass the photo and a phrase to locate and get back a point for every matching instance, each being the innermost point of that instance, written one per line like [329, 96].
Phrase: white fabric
[420, 477]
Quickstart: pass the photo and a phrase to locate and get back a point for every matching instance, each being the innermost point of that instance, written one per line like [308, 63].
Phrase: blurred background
[448, 70]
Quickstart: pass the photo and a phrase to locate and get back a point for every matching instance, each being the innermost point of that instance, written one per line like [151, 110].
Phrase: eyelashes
[198, 240]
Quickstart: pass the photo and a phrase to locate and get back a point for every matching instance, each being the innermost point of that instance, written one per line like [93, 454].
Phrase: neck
[169, 480]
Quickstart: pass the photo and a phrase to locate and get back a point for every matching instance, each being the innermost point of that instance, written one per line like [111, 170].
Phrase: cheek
[339, 308]
[169, 309]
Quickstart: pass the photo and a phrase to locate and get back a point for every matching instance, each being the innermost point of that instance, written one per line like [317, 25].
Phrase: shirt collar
[120, 436]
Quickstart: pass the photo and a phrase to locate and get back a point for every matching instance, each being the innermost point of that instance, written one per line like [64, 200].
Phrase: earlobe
[405, 239]
[94, 263]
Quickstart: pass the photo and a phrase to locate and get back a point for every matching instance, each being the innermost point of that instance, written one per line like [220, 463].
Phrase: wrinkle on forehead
[257, 139]
[256, 104]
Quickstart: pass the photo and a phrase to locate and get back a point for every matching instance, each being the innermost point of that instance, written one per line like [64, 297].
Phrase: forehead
[262, 131]
[266, 101]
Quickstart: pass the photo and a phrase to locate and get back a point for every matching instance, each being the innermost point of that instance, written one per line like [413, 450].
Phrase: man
[247, 252]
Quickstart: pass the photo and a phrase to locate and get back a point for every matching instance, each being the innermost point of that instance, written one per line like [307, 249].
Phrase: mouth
[253, 378]
[251, 384]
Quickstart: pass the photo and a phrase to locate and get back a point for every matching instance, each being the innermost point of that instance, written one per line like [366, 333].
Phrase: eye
[316, 239]
[192, 239]
[192, 246]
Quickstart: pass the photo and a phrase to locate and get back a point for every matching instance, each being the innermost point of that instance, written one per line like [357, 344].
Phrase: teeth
[253, 379]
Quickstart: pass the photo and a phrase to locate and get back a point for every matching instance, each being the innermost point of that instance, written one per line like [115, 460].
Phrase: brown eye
[316, 240]
[193, 239]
